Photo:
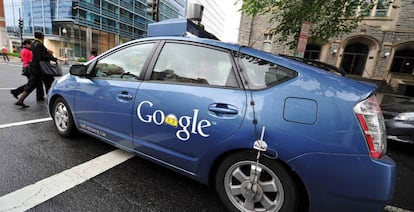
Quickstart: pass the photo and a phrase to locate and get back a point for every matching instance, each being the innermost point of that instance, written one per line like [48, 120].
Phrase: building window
[312, 51]
[403, 62]
[380, 9]
[267, 42]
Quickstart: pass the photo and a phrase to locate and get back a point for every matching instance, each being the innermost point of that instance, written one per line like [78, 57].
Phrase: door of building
[355, 58]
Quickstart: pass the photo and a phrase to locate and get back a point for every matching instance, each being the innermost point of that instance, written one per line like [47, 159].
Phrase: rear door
[191, 103]
[105, 105]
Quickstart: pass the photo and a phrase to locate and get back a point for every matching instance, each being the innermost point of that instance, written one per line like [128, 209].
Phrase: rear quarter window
[262, 74]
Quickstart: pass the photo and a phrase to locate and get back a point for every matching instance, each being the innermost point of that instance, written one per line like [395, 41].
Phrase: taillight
[372, 123]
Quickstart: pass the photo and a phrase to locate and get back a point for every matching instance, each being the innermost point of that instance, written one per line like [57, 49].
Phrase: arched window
[403, 62]
[354, 59]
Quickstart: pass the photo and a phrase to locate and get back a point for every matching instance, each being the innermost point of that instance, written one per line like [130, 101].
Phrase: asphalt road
[31, 152]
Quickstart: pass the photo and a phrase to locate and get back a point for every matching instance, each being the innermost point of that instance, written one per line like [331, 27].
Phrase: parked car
[209, 109]
[399, 119]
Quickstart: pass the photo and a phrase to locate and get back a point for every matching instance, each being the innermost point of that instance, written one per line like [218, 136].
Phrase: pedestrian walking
[26, 58]
[40, 53]
[4, 53]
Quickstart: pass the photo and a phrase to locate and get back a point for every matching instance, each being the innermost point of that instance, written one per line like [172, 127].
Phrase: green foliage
[14, 54]
[328, 18]
[82, 59]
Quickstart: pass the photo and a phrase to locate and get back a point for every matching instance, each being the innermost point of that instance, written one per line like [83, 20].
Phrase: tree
[328, 18]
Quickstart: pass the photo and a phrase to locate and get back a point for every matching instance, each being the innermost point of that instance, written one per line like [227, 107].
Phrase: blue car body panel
[357, 184]
[309, 125]
[198, 128]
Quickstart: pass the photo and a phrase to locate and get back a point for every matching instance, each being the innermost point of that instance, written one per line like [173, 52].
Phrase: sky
[232, 20]
[228, 15]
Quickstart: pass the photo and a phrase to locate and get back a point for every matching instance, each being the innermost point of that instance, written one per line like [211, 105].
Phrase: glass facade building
[74, 27]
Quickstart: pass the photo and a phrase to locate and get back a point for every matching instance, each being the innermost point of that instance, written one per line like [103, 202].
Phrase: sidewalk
[17, 60]
[12, 59]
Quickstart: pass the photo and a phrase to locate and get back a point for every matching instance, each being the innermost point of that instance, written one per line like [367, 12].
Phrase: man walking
[40, 53]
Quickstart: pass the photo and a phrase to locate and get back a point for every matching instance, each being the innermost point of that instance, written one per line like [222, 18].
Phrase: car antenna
[259, 145]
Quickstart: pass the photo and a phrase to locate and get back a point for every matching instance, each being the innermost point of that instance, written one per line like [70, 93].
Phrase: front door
[105, 107]
[355, 58]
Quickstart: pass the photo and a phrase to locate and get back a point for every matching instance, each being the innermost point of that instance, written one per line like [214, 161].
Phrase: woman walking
[26, 57]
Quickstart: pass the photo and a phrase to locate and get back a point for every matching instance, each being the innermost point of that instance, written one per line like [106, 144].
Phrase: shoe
[15, 95]
[21, 104]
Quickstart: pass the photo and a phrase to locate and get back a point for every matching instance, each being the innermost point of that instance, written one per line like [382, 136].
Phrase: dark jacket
[40, 53]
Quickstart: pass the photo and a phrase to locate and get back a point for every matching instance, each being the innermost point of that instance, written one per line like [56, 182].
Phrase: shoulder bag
[51, 68]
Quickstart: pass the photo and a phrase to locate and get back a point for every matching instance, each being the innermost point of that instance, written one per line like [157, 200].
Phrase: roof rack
[178, 27]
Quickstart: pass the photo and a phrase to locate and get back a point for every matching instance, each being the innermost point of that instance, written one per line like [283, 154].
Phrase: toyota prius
[268, 132]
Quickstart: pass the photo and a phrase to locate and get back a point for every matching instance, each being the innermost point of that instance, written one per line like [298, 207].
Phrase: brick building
[381, 49]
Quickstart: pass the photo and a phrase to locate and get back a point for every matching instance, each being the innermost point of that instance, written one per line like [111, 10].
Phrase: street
[32, 153]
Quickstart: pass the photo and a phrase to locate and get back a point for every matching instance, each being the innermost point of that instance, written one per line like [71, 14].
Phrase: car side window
[124, 64]
[261, 73]
[185, 63]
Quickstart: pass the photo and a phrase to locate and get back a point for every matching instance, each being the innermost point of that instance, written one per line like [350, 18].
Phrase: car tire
[62, 118]
[275, 189]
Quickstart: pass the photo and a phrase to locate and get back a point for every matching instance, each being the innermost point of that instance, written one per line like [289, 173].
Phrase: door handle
[124, 96]
[219, 108]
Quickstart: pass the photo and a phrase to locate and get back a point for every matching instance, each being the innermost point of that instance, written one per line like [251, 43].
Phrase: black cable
[246, 83]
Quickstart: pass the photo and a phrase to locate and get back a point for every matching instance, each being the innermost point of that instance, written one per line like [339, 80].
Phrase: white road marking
[24, 122]
[41, 191]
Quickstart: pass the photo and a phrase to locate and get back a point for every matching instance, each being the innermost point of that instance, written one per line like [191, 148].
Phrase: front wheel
[62, 118]
[242, 185]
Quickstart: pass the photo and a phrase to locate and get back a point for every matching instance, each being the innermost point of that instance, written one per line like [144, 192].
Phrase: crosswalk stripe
[24, 122]
[43, 190]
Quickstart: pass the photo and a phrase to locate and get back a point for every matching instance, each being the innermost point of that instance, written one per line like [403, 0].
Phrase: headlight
[405, 117]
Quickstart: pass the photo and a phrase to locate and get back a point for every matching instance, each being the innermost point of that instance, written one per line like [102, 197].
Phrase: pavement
[60, 61]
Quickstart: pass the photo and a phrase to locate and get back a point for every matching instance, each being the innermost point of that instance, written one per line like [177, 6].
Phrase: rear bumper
[337, 182]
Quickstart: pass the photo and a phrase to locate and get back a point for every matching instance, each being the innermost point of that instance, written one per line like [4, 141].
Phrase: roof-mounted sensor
[178, 27]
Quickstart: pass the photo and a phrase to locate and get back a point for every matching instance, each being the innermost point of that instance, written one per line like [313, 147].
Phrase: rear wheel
[245, 186]
[62, 118]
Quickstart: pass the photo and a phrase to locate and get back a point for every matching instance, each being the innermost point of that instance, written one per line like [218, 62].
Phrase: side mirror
[78, 70]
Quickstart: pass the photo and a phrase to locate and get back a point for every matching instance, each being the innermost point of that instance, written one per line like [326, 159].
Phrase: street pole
[65, 45]
[21, 28]
[21, 31]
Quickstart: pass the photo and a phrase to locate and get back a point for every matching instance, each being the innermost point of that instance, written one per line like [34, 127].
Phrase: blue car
[268, 132]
